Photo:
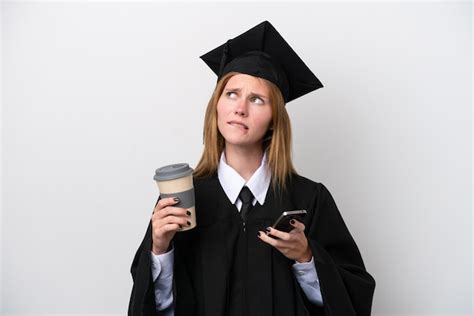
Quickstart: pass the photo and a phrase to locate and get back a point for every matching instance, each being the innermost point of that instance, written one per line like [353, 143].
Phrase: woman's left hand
[293, 245]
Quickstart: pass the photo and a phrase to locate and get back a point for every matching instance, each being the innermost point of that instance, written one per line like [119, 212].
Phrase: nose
[241, 108]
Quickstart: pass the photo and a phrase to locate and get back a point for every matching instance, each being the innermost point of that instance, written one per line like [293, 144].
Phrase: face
[244, 111]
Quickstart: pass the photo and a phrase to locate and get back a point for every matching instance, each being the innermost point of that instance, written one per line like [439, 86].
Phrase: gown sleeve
[346, 287]
[142, 298]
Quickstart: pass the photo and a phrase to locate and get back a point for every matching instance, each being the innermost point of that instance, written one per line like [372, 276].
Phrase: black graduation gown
[222, 269]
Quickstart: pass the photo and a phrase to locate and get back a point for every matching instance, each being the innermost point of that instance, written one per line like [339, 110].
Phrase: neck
[244, 160]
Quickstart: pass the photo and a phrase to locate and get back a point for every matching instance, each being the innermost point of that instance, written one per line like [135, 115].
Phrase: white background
[96, 96]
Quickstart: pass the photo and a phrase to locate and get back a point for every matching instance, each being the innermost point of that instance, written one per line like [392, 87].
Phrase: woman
[233, 262]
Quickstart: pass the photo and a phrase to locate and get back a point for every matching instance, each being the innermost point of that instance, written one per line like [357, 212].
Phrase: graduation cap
[263, 52]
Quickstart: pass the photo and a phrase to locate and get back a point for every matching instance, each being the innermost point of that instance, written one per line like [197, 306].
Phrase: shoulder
[313, 196]
[204, 181]
[303, 188]
[299, 182]
[206, 186]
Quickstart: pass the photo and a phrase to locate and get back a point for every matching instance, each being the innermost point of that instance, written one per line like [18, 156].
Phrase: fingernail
[268, 229]
[189, 223]
[258, 234]
[180, 226]
[292, 222]
[176, 199]
[188, 212]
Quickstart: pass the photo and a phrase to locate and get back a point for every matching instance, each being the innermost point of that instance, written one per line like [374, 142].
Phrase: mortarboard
[263, 52]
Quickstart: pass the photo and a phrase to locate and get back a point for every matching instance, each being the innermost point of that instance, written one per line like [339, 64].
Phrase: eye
[231, 94]
[257, 100]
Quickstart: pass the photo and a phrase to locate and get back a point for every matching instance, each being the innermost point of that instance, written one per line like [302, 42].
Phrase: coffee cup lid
[171, 172]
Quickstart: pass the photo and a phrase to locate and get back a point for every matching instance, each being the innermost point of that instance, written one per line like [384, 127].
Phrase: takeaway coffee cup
[177, 181]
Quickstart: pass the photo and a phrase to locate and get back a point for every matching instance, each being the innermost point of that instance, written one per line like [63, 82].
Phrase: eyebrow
[251, 93]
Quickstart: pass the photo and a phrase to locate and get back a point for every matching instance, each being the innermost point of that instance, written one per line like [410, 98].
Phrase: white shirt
[232, 183]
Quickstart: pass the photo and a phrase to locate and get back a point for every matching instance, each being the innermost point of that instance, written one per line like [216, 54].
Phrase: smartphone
[283, 222]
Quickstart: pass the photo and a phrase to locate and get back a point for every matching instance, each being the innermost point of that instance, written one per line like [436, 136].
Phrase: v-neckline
[228, 203]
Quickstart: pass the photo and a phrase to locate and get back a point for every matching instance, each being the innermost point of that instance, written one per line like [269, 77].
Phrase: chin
[240, 140]
[241, 143]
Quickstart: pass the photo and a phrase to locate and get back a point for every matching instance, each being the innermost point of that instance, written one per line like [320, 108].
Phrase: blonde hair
[277, 141]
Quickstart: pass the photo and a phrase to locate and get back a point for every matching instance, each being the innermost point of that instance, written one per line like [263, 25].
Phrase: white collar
[232, 182]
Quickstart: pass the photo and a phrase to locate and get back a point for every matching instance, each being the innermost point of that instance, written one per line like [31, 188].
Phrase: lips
[238, 124]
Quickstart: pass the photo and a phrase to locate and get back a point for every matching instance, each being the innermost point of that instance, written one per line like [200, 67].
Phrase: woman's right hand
[166, 221]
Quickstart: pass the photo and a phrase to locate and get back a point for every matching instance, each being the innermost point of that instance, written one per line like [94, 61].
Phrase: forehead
[252, 83]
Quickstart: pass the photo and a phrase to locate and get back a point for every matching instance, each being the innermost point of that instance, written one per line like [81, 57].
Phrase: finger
[173, 220]
[179, 219]
[166, 202]
[298, 226]
[278, 233]
[171, 210]
[269, 240]
[282, 246]
[170, 228]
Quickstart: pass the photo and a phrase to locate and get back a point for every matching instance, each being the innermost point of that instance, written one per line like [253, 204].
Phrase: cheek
[220, 114]
[265, 119]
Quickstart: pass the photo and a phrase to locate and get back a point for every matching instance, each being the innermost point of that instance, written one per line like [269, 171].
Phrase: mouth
[238, 124]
